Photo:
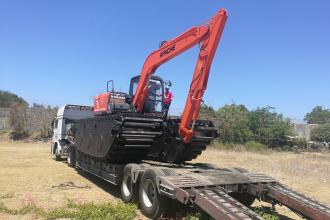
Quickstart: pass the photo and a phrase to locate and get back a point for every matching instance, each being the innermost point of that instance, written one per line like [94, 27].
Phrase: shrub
[233, 121]
[299, 142]
[18, 121]
[270, 128]
[321, 133]
[17, 135]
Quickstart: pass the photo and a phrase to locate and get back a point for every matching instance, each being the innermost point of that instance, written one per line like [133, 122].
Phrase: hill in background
[22, 120]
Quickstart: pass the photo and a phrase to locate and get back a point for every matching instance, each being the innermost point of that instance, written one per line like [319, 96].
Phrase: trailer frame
[206, 186]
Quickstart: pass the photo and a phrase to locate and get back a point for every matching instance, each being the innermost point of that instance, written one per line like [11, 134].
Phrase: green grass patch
[255, 146]
[118, 211]
[266, 213]
[198, 216]
[21, 211]
[248, 146]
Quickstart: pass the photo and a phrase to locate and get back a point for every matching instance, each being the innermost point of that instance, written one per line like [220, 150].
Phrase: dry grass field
[29, 175]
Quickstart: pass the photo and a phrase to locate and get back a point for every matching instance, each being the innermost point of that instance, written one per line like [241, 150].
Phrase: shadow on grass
[106, 186]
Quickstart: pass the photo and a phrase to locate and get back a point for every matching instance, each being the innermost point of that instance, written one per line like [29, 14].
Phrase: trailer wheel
[152, 204]
[244, 198]
[129, 190]
[71, 159]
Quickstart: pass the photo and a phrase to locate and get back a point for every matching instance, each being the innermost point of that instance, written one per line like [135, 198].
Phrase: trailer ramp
[211, 190]
[297, 202]
[218, 204]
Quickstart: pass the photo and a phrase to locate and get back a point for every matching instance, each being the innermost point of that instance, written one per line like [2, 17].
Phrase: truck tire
[57, 154]
[71, 159]
[128, 189]
[152, 204]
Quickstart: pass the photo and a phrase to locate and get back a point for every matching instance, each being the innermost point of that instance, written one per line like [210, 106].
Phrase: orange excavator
[131, 127]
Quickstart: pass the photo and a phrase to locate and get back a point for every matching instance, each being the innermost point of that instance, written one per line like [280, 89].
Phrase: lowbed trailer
[223, 193]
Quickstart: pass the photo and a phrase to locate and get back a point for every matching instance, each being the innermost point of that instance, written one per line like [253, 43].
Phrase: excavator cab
[154, 102]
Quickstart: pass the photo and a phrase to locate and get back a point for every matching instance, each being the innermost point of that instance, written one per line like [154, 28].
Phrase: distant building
[303, 130]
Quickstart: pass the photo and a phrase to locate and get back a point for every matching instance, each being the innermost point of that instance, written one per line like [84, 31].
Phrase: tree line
[237, 124]
[19, 119]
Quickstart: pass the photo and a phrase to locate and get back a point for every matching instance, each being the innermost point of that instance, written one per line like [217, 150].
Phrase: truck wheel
[152, 204]
[57, 154]
[129, 190]
[71, 159]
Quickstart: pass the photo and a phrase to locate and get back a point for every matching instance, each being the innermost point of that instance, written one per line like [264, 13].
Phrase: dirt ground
[29, 175]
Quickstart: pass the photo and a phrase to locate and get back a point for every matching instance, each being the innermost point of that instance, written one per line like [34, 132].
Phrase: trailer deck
[223, 193]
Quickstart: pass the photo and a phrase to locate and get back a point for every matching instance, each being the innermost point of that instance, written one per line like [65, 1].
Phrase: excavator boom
[208, 36]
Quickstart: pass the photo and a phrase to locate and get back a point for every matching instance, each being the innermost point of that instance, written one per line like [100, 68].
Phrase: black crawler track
[131, 137]
[176, 151]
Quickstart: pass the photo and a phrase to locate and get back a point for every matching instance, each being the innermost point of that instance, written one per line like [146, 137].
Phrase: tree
[321, 133]
[270, 127]
[36, 105]
[8, 98]
[318, 115]
[18, 120]
[234, 124]
[207, 112]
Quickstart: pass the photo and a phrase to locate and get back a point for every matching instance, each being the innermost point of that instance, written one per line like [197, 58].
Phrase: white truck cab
[66, 115]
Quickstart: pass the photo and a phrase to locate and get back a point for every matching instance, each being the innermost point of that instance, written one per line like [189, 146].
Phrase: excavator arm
[208, 36]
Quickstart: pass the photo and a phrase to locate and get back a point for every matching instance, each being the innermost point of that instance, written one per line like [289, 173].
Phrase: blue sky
[273, 53]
